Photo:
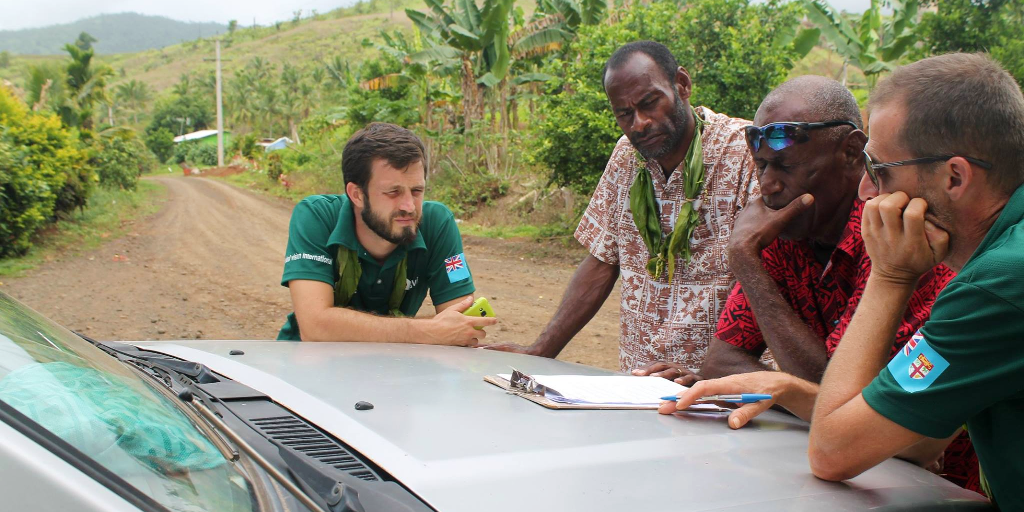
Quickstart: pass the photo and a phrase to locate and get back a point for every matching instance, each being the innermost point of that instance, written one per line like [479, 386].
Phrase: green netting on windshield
[99, 413]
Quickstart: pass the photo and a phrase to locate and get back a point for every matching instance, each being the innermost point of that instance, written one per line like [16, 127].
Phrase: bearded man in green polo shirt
[946, 167]
[359, 265]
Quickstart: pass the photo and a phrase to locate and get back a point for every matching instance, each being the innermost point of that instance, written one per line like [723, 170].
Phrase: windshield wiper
[337, 491]
[187, 396]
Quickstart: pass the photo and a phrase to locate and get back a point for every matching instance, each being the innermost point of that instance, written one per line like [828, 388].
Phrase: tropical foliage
[43, 171]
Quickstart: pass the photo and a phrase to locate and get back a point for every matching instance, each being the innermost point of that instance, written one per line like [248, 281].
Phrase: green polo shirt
[966, 364]
[320, 224]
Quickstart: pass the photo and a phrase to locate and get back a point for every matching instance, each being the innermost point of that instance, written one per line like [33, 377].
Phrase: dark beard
[676, 131]
[381, 226]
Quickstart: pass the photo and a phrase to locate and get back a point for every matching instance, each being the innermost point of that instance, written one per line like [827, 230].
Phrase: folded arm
[320, 320]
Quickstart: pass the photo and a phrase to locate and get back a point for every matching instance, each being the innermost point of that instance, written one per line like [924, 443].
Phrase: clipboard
[551, 404]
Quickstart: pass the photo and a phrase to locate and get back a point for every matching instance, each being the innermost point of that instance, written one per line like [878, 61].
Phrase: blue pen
[745, 398]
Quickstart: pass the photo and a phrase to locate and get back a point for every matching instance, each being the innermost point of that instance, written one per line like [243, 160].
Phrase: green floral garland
[647, 216]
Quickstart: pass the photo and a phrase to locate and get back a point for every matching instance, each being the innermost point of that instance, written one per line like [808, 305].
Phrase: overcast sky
[15, 14]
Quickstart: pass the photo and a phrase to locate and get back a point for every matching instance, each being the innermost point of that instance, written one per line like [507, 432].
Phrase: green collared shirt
[320, 224]
[966, 364]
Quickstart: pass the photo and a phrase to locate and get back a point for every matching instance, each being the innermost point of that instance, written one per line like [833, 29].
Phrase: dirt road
[208, 265]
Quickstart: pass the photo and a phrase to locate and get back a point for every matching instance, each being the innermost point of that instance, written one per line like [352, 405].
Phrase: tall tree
[134, 95]
[86, 86]
[85, 41]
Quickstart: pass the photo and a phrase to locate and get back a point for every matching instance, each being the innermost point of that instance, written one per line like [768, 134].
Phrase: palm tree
[86, 86]
[134, 95]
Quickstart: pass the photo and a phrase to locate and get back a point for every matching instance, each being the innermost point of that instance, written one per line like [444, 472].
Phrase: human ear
[852, 150]
[683, 84]
[355, 194]
[957, 176]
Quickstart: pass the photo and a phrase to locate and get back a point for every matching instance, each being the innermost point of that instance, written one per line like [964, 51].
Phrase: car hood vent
[303, 438]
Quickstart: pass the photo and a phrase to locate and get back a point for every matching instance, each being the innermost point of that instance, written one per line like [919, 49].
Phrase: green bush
[1011, 56]
[181, 114]
[161, 143]
[245, 145]
[725, 45]
[41, 164]
[275, 168]
[463, 194]
[180, 153]
[202, 154]
[195, 153]
[120, 159]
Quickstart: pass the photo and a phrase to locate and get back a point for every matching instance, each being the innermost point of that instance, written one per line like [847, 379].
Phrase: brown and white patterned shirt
[661, 321]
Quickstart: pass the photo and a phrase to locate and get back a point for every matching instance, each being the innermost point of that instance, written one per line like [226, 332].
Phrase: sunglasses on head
[779, 136]
[872, 167]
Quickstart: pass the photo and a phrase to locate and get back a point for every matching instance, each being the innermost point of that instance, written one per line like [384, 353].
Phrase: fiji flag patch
[456, 268]
[918, 365]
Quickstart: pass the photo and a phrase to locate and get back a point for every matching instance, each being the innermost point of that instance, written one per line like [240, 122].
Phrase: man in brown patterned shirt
[670, 316]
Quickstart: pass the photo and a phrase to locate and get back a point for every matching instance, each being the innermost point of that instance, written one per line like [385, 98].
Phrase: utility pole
[220, 114]
[220, 108]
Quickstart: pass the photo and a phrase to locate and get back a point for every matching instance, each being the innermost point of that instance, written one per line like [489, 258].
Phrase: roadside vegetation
[506, 95]
[111, 213]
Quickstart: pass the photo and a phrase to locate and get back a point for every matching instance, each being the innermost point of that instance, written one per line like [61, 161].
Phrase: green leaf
[441, 53]
[489, 80]
[471, 13]
[464, 32]
[552, 34]
[532, 77]
[897, 48]
[422, 21]
[805, 41]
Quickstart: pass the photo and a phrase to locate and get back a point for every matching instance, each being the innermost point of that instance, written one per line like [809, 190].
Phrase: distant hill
[117, 33]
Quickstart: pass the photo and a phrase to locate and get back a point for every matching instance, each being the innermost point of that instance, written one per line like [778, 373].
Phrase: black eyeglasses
[782, 135]
[871, 167]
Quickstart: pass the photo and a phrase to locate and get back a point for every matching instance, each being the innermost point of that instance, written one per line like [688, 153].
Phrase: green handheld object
[480, 308]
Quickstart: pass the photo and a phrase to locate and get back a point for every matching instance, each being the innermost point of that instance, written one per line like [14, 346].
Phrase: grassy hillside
[116, 33]
[305, 44]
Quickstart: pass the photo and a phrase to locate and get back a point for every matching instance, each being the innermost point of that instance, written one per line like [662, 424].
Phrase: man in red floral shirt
[797, 254]
[799, 258]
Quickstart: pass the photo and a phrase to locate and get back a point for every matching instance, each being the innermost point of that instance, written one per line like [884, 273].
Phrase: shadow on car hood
[462, 444]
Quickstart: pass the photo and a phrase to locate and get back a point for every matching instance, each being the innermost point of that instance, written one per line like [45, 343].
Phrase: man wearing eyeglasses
[797, 254]
[802, 268]
[947, 168]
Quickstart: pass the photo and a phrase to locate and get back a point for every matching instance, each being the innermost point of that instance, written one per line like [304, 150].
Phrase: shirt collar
[1012, 214]
[850, 242]
[345, 232]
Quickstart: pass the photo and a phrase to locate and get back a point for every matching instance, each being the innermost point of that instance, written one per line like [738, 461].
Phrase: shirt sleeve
[599, 228]
[307, 255]
[960, 364]
[444, 285]
[737, 326]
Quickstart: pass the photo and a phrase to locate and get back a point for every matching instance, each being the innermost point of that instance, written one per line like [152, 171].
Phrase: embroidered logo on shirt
[918, 365]
[411, 283]
[305, 256]
[456, 268]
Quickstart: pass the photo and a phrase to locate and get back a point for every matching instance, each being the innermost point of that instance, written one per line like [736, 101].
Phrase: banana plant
[873, 43]
[477, 34]
[555, 23]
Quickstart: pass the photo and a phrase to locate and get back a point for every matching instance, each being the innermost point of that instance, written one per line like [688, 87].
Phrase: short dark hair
[961, 104]
[658, 52]
[399, 146]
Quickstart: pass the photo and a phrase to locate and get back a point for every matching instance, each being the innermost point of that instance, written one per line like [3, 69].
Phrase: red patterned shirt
[662, 321]
[825, 296]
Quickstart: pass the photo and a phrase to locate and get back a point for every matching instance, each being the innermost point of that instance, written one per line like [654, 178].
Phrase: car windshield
[113, 415]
